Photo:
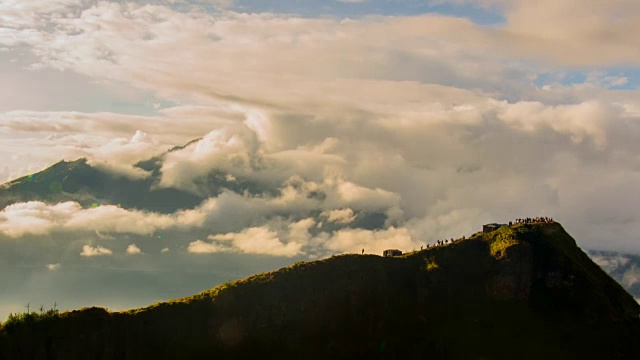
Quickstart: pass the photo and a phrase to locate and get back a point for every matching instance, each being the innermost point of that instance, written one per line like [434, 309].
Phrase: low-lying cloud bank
[405, 183]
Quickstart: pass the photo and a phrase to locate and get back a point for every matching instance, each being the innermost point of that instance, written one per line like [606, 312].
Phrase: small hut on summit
[391, 253]
[491, 227]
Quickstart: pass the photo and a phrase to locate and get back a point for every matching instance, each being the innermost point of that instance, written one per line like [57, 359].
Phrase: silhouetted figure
[363, 251]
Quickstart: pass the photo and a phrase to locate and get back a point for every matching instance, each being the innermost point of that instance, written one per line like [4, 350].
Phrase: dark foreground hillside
[526, 292]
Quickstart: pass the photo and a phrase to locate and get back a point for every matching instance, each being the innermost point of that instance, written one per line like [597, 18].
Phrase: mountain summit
[525, 291]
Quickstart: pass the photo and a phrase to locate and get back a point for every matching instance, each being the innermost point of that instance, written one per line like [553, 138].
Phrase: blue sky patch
[323, 8]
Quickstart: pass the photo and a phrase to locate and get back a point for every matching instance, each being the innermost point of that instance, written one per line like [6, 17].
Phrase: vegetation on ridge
[529, 286]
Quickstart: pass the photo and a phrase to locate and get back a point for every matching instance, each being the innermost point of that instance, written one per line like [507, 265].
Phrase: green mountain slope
[525, 292]
[81, 182]
[78, 181]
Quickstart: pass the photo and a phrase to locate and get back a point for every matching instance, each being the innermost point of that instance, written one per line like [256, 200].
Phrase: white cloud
[408, 116]
[132, 249]
[288, 242]
[89, 251]
[341, 216]
[610, 263]
[580, 122]
[21, 14]
[232, 151]
[38, 218]
[259, 240]
[314, 57]
[34, 217]
[631, 276]
[299, 231]
[54, 267]
[373, 242]
[201, 247]
[110, 218]
[119, 170]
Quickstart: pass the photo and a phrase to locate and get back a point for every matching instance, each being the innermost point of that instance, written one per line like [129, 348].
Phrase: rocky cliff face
[519, 292]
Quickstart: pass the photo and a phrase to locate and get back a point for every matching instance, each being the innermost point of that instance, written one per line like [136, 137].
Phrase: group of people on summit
[539, 219]
[442, 242]
[527, 220]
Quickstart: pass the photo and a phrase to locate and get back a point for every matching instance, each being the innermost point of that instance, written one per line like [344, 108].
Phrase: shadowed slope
[522, 292]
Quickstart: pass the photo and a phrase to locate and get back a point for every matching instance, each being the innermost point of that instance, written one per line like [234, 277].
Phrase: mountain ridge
[494, 295]
[88, 185]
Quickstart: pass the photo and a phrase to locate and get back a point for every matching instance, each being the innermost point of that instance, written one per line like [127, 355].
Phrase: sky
[438, 116]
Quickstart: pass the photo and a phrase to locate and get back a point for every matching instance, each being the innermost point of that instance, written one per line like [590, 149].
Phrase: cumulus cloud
[299, 231]
[25, 14]
[132, 249]
[38, 218]
[90, 251]
[342, 216]
[258, 240]
[277, 238]
[232, 151]
[582, 121]
[35, 218]
[610, 263]
[119, 170]
[631, 276]
[202, 247]
[299, 241]
[373, 242]
[111, 218]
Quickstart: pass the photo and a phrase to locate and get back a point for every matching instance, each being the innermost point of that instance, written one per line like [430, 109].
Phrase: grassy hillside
[87, 185]
[524, 292]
